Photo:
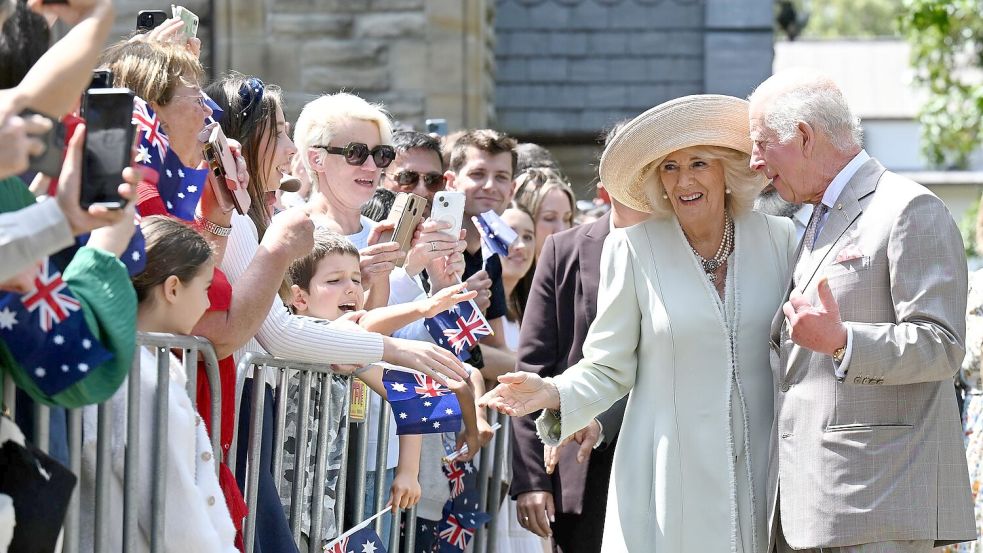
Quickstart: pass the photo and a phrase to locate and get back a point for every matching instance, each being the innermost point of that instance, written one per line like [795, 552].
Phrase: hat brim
[699, 120]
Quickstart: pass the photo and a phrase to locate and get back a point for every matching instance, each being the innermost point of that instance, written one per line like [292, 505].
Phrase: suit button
[785, 386]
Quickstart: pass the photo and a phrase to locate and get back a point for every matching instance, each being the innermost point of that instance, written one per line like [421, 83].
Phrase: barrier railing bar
[381, 463]
[72, 526]
[159, 498]
[103, 466]
[300, 455]
[131, 472]
[280, 427]
[484, 467]
[394, 534]
[411, 529]
[494, 494]
[320, 465]
[344, 435]
[191, 372]
[42, 427]
[254, 454]
[361, 459]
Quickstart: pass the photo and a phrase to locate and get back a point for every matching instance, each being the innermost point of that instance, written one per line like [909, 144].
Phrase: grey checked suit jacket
[880, 456]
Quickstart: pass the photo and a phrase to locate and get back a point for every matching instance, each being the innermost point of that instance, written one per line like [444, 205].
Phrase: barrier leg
[492, 507]
[280, 425]
[159, 499]
[484, 470]
[252, 461]
[103, 466]
[131, 472]
[300, 457]
[381, 458]
[72, 528]
[343, 436]
[320, 465]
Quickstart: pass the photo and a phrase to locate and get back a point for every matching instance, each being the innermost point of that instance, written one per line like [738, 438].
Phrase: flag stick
[464, 448]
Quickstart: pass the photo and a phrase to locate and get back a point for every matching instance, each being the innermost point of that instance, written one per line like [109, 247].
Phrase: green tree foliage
[851, 18]
[946, 38]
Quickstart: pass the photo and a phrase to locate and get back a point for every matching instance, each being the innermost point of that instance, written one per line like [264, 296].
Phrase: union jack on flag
[455, 533]
[455, 475]
[426, 386]
[51, 297]
[148, 124]
[46, 332]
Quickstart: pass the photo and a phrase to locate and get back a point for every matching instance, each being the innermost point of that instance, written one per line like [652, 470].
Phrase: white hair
[321, 117]
[821, 104]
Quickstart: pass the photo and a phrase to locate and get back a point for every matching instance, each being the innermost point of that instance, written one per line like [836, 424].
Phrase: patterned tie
[809, 238]
[808, 241]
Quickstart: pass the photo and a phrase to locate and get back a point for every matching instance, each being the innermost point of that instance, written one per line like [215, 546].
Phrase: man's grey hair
[820, 104]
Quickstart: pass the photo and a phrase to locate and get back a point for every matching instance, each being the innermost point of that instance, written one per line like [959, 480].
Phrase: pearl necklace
[711, 265]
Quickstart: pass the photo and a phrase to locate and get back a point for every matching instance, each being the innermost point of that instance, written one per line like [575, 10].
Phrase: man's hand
[19, 138]
[69, 187]
[291, 234]
[481, 283]
[536, 511]
[817, 328]
[586, 437]
[521, 393]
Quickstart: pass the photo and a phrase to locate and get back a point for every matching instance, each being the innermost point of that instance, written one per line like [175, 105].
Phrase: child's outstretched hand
[448, 298]
[405, 492]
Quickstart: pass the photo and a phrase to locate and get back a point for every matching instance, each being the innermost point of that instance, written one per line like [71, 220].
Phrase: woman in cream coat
[684, 312]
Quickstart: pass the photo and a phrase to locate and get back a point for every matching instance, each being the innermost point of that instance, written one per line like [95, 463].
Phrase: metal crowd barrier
[162, 344]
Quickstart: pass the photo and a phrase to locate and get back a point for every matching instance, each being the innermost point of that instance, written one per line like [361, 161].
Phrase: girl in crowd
[548, 197]
[173, 294]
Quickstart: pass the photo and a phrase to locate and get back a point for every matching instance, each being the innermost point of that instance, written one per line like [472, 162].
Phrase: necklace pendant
[712, 277]
[711, 265]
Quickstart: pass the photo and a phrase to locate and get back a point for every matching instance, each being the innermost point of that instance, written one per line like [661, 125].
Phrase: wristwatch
[839, 354]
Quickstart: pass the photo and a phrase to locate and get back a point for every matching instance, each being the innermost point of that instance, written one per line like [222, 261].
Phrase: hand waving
[521, 393]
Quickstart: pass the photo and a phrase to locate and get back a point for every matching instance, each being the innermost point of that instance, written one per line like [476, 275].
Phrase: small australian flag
[459, 329]
[46, 332]
[462, 517]
[495, 233]
[420, 404]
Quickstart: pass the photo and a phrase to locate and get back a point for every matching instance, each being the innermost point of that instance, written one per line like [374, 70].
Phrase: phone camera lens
[445, 204]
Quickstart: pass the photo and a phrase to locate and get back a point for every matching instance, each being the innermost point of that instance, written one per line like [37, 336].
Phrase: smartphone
[109, 135]
[437, 126]
[148, 20]
[190, 20]
[448, 206]
[102, 78]
[49, 162]
[228, 192]
[406, 214]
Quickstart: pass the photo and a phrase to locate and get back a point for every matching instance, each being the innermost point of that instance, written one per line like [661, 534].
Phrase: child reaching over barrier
[173, 294]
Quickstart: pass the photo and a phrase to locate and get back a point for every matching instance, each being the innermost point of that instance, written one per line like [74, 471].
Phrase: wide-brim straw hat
[699, 120]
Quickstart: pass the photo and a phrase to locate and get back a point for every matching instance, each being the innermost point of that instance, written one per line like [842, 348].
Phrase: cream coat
[691, 466]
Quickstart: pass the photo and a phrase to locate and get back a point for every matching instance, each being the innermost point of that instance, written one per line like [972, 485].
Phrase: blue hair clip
[251, 94]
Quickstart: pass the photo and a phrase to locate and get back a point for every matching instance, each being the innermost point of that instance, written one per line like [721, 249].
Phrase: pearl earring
[665, 196]
[726, 190]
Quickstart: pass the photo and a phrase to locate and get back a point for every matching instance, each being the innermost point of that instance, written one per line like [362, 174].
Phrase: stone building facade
[554, 71]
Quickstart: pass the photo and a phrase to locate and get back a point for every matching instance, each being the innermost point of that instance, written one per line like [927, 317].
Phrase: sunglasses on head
[355, 153]
[408, 179]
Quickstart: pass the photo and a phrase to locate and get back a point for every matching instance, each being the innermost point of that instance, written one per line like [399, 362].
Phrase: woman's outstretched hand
[521, 393]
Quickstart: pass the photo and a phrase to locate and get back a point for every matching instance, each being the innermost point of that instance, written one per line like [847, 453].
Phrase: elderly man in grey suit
[867, 450]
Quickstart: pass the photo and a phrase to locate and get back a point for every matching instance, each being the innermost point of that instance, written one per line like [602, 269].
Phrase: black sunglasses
[355, 153]
[408, 179]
